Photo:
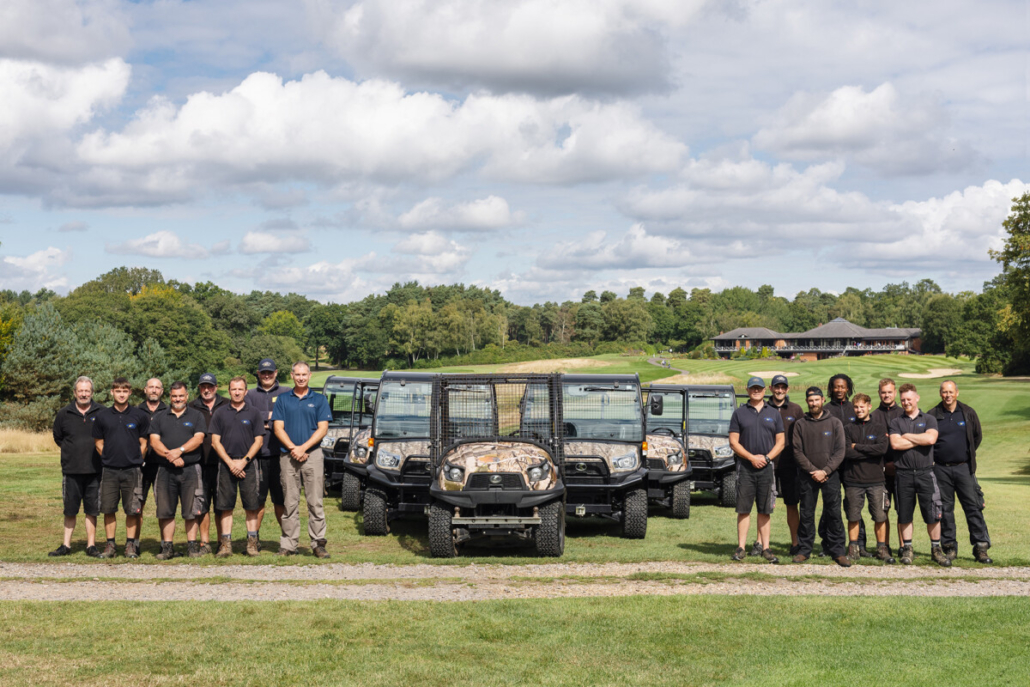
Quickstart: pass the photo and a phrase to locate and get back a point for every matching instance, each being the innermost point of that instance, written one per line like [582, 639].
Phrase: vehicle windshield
[355, 399]
[403, 410]
[710, 412]
[672, 412]
[602, 411]
[470, 411]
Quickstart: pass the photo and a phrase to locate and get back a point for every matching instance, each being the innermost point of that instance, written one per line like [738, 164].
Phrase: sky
[539, 147]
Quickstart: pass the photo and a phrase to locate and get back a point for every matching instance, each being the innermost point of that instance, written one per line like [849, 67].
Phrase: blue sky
[539, 147]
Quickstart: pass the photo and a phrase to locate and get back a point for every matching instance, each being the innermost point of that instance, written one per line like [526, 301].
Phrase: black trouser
[834, 539]
[862, 541]
[955, 480]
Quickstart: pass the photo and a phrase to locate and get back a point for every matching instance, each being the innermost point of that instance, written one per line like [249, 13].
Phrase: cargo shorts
[81, 490]
[126, 485]
[179, 486]
[855, 497]
[921, 484]
[249, 488]
[755, 487]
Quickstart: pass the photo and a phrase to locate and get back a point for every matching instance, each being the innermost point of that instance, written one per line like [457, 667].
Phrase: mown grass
[30, 493]
[612, 641]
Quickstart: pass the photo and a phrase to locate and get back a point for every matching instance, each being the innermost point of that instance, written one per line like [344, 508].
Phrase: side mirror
[657, 403]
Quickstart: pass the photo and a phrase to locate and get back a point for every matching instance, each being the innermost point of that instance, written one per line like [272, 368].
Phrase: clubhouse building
[831, 340]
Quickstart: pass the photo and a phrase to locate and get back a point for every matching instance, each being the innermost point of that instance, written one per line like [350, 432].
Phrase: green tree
[942, 319]
[282, 349]
[181, 326]
[589, 322]
[1014, 257]
[102, 352]
[627, 320]
[39, 369]
[283, 323]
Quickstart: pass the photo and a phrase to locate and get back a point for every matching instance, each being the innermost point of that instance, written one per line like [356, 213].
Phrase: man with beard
[841, 388]
[788, 486]
[80, 465]
[151, 405]
[887, 411]
[207, 402]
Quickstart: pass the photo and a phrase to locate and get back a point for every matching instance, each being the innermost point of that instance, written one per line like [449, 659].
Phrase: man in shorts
[913, 435]
[887, 411]
[787, 485]
[207, 402]
[756, 437]
[263, 397]
[177, 437]
[819, 451]
[237, 433]
[120, 436]
[151, 405]
[80, 466]
[866, 444]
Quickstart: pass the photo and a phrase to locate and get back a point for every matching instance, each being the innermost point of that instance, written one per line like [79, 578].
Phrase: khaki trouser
[310, 476]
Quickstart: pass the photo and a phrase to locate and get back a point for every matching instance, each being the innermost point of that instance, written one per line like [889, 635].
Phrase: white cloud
[160, 244]
[435, 253]
[274, 242]
[41, 269]
[484, 214]
[62, 31]
[75, 225]
[537, 46]
[634, 250]
[336, 281]
[879, 129]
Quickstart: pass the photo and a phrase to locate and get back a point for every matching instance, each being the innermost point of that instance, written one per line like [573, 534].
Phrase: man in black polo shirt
[80, 465]
[819, 451]
[756, 437]
[840, 388]
[237, 432]
[954, 464]
[120, 436]
[151, 405]
[913, 435]
[263, 398]
[862, 474]
[787, 485]
[206, 403]
[887, 411]
[177, 437]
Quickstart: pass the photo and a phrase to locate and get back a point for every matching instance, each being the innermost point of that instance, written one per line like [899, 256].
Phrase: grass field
[30, 494]
[620, 641]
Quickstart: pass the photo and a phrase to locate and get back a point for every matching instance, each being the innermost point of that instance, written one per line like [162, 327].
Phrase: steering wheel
[663, 430]
[528, 434]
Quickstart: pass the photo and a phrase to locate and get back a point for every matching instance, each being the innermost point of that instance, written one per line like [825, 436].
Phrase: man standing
[819, 451]
[177, 437]
[262, 398]
[840, 389]
[787, 485]
[237, 432]
[866, 444]
[120, 436]
[80, 465]
[913, 435]
[887, 411]
[206, 403]
[954, 464]
[300, 420]
[756, 437]
[151, 405]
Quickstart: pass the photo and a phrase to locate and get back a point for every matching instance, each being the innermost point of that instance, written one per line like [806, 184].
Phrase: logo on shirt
[187, 424]
[246, 422]
[871, 437]
[311, 405]
[131, 425]
[767, 419]
[962, 424]
[790, 417]
[827, 433]
[920, 424]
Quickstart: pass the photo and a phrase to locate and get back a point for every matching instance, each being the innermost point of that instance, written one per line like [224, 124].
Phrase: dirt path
[46, 582]
[657, 362]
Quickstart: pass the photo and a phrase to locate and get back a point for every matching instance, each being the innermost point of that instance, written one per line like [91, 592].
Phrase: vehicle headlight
[674, 459]
[724, 452]
[385, 459]
[454, 473]
[360, 452]
[626, 461]
[328, 442]
[538, 472]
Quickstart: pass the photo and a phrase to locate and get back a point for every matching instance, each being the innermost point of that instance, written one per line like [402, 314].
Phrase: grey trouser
[310, 476]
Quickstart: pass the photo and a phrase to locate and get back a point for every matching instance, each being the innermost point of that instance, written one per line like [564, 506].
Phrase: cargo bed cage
[483, 408]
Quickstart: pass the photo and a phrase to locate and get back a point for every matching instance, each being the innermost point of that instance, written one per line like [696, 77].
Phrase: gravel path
[52, 582]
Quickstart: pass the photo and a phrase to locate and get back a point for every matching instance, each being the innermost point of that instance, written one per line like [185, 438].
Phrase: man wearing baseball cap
[207, 402]
[756, 437]
[262, 398]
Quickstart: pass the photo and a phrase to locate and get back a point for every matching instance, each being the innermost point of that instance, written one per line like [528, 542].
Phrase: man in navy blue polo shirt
[300, 420]
[756, 437]
[237, 432]
[263, 397]
[120, 436]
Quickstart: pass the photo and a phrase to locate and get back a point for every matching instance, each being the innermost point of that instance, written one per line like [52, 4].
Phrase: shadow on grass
[712, 548]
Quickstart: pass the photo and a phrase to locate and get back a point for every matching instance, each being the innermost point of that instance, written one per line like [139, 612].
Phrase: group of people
[196, 455]
[892, 453]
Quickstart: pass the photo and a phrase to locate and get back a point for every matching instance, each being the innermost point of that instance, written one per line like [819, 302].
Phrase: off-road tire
[350, 492]
[441, 531]
[681, 500]
[634, 514]
[375, 514]
[550, 534]
[728, 490]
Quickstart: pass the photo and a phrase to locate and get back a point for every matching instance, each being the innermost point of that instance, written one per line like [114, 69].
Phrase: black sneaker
[951, 552]
[61, 550]
[883, 553]
[93, 552]
[756, 549]
[939, 557]
[738, 555]
[980, 554]
[794, 549]
[769, 556]
[907, 555]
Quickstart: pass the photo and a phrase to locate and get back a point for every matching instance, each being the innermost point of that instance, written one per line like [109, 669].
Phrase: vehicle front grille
[655, 464]
[508, 480]
[415, 468]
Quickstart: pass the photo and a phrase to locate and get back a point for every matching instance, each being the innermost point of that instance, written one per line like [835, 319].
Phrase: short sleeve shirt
[176, 431]
[121, 432]
[917, 457]
[237, 429]
[300, 416]
[757, 428]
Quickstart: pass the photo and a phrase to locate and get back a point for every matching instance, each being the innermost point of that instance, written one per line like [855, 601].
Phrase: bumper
[707, 475]
[609, 483]
[518, 498]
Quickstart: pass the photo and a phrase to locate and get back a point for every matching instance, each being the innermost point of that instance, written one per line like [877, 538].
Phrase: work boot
[109, 551]
[252, 546]
[738, 555]
[167, 553]
[756, 549]
[130, 550]
[883, 552]
[193, 549]
[293, 552]
[799, 558]
[907, 555]
[864, 552]
[768, 555]
[980, 553]
[939, 557]
[224, 547]
[204, 549]
[842, 561]
[853, 553]
[951, 551]
[61, 550]
[319, 549]
[93, 552]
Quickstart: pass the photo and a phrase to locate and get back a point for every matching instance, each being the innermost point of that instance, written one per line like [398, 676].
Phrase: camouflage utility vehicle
[497, 462]
[605, 449]
[668, 469]
[352, 400]
[397, 460]
[709, 408]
